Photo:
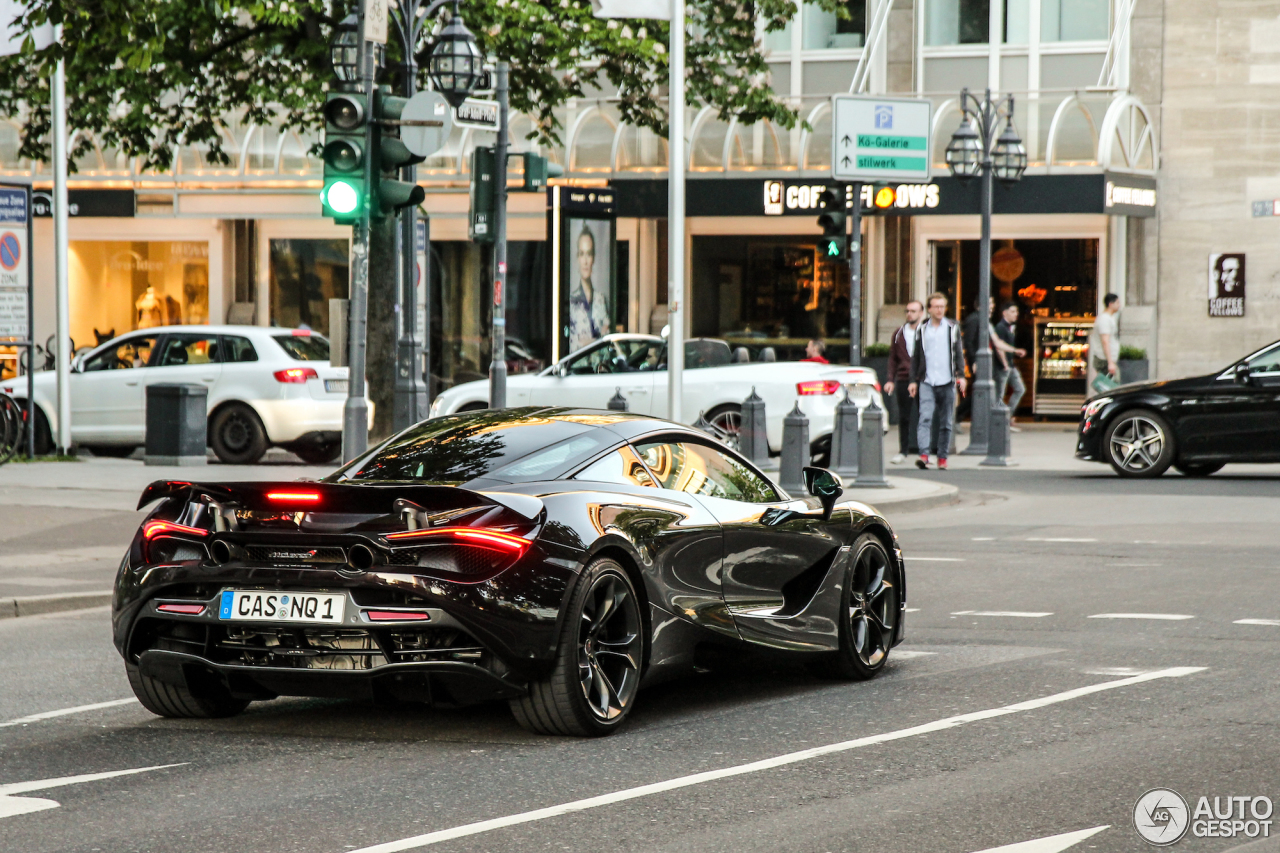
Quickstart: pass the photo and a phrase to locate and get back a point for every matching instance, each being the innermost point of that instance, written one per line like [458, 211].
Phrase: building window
[305, 275]
[119, 286]
[949, 22]
[897, 260]
[825, 30]
[778, 41]
[1075, 20]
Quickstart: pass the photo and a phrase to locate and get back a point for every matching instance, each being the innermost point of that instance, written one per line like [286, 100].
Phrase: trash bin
[177, 424]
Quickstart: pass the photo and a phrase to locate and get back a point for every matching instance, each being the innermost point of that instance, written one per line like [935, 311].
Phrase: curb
[32, 605]
[944, 498]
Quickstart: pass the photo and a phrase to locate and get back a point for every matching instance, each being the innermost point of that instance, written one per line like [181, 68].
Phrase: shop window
[1075, 20]
[950, 22]
[304, 276]
[119, 286]
[825, 30]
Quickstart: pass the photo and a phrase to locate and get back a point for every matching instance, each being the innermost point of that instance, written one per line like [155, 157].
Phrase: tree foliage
[147, 76]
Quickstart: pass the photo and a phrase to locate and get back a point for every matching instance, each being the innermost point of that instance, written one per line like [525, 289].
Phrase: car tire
[1198, 469]
[111, 451]
[237, 436]
[820, 452]
[1139, 443]
[585, 696]
[473, 407]
[205, 698]
[319, 454]
[868, 614]
[728, 420]
[44, 434]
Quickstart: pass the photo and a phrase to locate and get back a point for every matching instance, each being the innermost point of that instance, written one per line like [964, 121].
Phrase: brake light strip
[494, 538]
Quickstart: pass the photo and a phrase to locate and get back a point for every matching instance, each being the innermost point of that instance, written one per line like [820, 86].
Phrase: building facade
[1153, 134]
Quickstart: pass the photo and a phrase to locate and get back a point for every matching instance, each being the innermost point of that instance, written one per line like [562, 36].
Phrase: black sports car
[555, 558]
[1197, 425]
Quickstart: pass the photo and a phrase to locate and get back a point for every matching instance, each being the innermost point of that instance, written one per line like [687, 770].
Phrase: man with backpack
[937, 372]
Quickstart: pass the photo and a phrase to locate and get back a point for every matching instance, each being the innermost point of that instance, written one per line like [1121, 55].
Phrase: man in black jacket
[899, 377]
[937, 372]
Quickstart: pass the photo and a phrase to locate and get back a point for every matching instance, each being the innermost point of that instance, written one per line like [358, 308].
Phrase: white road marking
[1274, 623]
[1017, 613]
[62, 712]
[679, 782]
[983, 539]
[11, 805]
[1059, 539]
[901, 654]
[913, 609]
[1172, 617]
[1115, 671]
[937, 559]
[62, 556]
[1051, 844]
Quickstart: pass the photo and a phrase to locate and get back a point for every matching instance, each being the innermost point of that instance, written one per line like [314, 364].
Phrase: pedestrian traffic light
[390, 156]
[343, 195]
[536, 171]
[832, 222]
[480, 217]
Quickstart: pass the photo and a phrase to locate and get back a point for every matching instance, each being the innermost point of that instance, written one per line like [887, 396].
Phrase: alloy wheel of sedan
[1138, 445]
[609, 647]
[728, 421]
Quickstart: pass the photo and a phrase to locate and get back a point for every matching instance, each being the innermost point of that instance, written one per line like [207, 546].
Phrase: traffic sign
[477, 114]
[878, 139]
[433, 111]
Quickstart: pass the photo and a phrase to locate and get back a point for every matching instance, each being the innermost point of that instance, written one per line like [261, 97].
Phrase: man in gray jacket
[937, 371]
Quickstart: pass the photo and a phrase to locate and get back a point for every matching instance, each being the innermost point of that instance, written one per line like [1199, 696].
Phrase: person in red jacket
[815, 350]
[897, 379]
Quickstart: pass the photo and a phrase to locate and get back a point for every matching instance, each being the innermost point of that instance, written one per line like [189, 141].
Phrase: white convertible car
[715, 385]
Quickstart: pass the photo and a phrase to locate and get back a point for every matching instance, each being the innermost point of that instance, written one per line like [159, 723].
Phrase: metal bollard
[795, 450]
[753, 440]
[844, 439]
[871, 449]
[998, 437]
[618, 403]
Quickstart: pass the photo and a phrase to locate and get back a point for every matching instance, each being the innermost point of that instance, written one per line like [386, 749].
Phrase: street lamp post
[975, 151]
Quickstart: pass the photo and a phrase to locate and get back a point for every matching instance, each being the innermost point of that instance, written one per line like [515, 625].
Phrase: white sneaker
[897, 459]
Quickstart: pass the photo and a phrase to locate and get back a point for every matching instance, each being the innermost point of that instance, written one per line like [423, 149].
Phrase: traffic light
[480, 217]
[832, 222]
[390, 155]
[537, 170]
[344, 192]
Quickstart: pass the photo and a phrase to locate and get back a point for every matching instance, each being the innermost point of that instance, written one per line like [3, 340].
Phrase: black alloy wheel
[237, 436]
[597, 671]
[728, 420]
[1139, 443]
[1198, 469]
[869, 614]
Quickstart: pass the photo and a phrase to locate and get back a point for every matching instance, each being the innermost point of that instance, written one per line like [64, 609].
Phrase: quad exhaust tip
[220, 551]
[360, 557]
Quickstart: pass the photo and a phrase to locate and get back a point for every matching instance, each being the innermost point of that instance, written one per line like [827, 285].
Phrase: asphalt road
[978, 735]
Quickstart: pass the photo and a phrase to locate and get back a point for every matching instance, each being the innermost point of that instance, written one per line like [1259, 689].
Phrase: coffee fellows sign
[1226, 285]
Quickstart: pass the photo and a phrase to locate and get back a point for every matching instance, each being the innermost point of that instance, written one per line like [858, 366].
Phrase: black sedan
[1197, 425]
[554, 558]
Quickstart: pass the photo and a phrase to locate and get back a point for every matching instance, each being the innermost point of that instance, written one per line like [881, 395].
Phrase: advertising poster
[1226, 285]
[588, 297]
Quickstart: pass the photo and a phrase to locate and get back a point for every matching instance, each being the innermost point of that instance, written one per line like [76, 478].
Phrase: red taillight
[398, 615]
[817, 386]
[487, 538]
[155, 528]
[301, 333]
[295, 497]
[185, 609]
[296, 374]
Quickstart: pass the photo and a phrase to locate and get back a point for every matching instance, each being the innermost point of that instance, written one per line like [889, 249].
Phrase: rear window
[310, 347]
[514, 445]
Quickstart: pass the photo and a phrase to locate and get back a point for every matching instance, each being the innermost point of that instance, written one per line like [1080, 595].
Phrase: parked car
[714, 385]
[1196, 425]
[267, 386]
[555, 558]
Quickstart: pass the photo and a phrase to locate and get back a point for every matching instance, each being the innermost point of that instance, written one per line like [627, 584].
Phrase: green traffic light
[833, 249]
[342, 197]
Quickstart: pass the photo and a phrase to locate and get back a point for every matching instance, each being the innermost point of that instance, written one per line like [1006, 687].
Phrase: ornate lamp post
[974, 151]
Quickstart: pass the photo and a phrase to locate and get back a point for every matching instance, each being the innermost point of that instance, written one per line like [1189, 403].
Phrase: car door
[107, 391]
[777, 551]
[1264, 381]
[184, 358]
[593, 376]
[1231, 416]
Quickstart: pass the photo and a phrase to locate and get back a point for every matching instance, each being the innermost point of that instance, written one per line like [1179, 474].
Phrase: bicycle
[12, 428]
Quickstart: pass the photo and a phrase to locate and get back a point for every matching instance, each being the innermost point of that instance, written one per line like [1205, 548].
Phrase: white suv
[267, 386]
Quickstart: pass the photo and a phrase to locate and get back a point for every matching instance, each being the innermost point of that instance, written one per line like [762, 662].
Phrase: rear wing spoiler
[339, 497]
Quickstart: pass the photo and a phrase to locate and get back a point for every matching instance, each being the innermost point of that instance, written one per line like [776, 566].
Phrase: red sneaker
[923, 462]
[942, 464]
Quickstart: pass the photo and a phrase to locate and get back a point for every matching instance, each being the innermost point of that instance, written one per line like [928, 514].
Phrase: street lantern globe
[1009, 155]
[344, 50]
[455, 64]
[964, 151]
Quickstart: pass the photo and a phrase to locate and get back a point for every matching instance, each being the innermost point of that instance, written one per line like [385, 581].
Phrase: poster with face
[588, 298]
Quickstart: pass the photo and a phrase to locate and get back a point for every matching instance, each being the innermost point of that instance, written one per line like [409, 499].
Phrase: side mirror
[562, 369]
[1242, 373]
[824, 485]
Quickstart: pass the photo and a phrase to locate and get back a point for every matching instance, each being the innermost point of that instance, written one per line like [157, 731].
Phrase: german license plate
[335, 386]
[264, 606]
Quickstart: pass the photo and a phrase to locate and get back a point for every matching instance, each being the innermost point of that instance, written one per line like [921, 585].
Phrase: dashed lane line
[1274, 623]
[679, 782]
[1014, 613]
[1058, 539]
[1169, 617]
[936, 559]
[1050, 844]
[62, 712]
[12, 805]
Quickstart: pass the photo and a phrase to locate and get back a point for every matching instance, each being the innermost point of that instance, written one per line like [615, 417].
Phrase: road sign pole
[498, 364]
[855, 277]
[675, 218]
